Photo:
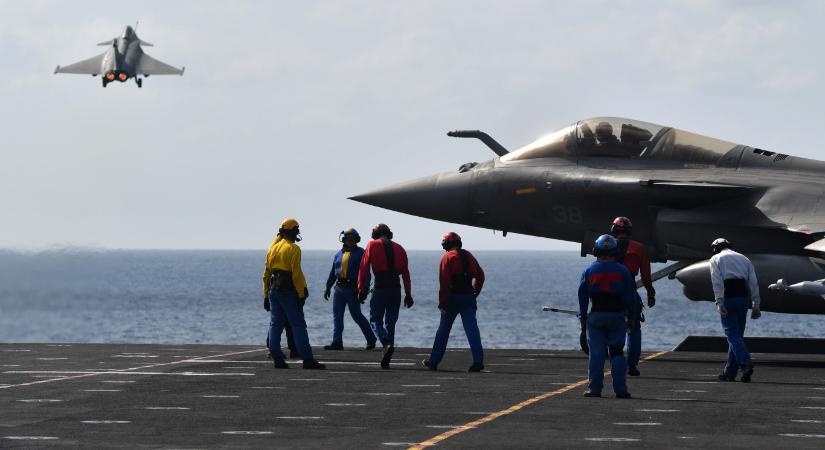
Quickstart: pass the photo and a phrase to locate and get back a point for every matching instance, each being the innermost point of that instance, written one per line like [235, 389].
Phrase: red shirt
[637, 260]
[451, 265]
[376, 259]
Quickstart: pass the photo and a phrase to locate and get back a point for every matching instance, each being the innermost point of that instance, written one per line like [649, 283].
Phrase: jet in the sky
[123, 59]
[681, 190]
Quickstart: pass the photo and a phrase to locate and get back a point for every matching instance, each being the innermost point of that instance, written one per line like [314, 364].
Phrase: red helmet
[621, 225]
[381, 229]
[450, 240]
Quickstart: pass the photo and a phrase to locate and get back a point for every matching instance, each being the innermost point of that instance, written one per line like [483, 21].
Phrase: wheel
[104, 81]
[140, 83]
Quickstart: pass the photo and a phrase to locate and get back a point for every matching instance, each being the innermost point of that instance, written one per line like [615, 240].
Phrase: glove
[630, 324]
[362, 295]
[327, 293]
[266, 303]
[756, 313]
[651, 301]
[408, 301]
[305, 296]
[583, 336]
[301, 302]
[722, 310]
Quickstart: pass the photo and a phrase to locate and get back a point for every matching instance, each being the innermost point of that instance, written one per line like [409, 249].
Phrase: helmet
[450, 240]
[381, 229]
[621, 225]
[605, 245]
[720, 244]
[289, 228]
[289, 224]
[349, 232]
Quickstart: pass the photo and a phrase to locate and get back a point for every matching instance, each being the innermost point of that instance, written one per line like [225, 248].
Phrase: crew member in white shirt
[734, 288]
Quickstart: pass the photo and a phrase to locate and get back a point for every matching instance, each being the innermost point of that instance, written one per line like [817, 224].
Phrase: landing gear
[139, 82]
[104, 80]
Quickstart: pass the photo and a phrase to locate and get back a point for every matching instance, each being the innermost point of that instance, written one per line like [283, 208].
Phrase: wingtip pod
[183, 69]
[56, 69]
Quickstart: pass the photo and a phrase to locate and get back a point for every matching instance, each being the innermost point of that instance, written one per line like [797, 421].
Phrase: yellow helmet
[289, 224]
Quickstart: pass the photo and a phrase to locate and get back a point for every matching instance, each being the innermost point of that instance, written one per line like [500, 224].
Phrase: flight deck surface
[203, 396]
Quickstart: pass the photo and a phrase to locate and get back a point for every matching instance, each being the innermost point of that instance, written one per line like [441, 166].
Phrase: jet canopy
[614, 137]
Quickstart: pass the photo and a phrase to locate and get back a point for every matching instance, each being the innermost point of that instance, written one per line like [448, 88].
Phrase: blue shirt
[345, 266]
[607, 277]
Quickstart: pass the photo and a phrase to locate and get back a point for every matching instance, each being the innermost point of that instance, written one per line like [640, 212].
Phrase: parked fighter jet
[682, 190]
[123, 59]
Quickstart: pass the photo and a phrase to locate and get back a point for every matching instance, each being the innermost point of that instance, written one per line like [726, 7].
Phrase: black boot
[633, 371]
[370, 345]
[313, 364]
[623, 395]
[589, 393]
[385, 360]
[334, 346]
[747, 371]
[426, 363]
[476, 367]
[724, 377]
[279, 363]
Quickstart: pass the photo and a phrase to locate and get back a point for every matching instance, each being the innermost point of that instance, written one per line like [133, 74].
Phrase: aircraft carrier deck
[199, 396]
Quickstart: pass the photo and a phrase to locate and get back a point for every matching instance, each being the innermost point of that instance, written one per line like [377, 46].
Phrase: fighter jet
[123, 59]
[681, 190]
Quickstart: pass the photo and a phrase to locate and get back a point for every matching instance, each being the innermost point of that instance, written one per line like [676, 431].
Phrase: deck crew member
[634, 256]
[460, 279]
[734, 286]
[609, 286]
[284, 280]
[387, 260]
[344, 276]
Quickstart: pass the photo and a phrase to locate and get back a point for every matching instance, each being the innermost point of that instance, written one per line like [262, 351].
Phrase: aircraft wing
[89, 66]
[151, 66]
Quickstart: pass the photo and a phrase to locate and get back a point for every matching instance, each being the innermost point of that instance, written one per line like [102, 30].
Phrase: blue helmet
[605, 245]
[350, 232]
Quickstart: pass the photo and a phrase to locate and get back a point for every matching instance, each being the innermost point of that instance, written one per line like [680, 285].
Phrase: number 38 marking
[567, 214]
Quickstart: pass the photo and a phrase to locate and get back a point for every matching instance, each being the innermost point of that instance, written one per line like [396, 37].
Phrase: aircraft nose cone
[442, 197]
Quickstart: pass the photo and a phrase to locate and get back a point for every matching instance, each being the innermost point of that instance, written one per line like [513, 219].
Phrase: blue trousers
[606, 329]
[341, 299]
[283, 306]
[634, 339]
[464, 304]
[734, 326]
[384, 306]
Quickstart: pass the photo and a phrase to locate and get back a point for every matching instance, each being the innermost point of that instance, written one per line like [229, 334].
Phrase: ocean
[179, 297]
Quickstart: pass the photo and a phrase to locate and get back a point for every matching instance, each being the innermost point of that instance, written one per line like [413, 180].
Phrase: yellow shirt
[284, 255]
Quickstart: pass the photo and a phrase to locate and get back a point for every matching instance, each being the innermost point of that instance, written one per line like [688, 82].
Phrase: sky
[288, 108]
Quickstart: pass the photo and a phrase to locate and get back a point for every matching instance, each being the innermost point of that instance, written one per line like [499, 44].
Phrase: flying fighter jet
[123, 59]
[682, 190]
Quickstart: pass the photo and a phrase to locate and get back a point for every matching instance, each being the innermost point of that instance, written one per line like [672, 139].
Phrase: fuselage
[120, 61]
[681, 190]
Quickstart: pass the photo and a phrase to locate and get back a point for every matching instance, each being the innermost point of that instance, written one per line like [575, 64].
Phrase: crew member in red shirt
[461, 279]
[633, 255]
[388, 261]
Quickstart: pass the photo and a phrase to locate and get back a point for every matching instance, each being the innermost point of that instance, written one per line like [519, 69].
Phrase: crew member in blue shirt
[609, 286]
[344, 276]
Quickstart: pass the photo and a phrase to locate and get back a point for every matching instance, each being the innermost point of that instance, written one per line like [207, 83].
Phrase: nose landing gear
[139, 82]
[105, 81]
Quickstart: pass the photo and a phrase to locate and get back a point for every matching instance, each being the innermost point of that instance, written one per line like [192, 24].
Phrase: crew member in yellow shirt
[286, 290]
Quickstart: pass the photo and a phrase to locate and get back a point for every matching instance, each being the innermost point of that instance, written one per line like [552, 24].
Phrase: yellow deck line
[469, 426]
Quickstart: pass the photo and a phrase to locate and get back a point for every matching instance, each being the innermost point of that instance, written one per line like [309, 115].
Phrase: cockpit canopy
[614, 137]
[128, 33]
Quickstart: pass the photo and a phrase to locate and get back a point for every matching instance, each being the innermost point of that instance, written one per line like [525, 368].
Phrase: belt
[346, 283]
[736, 288]
[606, 303]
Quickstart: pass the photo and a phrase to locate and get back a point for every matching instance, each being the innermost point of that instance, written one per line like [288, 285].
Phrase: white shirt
[729, 264]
